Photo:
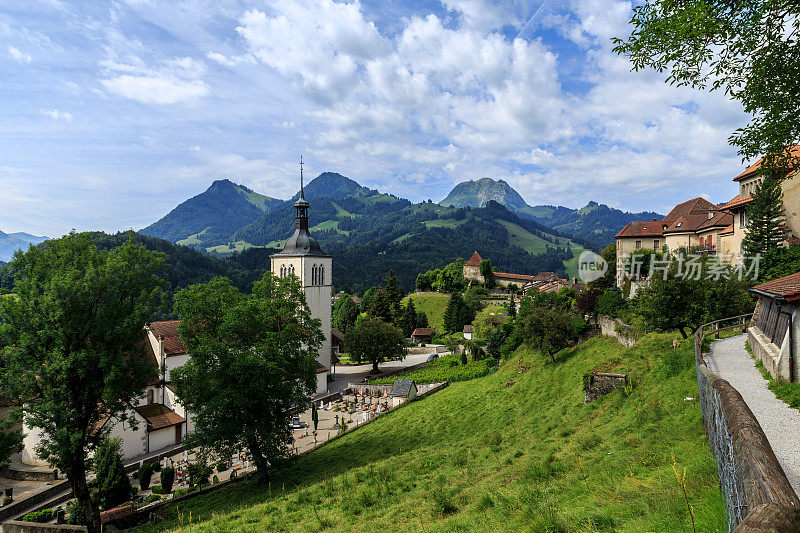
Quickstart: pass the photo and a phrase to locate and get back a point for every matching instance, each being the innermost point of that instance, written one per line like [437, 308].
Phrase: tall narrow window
[321, 275]
[291, 270]
[314, 275]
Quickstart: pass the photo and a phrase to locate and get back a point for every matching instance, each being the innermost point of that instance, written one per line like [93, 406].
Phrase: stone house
[403, 390]
[774, 330]
[472, 272]
[469, 332]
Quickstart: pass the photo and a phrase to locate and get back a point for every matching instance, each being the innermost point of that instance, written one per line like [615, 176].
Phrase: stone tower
[302, 257]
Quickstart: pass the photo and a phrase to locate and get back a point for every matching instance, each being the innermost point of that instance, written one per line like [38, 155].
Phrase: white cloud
[55, 114]
[175, 82]
[19, 56]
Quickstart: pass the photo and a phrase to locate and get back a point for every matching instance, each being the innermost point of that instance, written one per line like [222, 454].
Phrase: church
[302, 257]
[163, 422]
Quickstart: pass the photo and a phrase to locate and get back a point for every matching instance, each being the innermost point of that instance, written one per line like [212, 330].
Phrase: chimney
[710, 215]
[655, 220]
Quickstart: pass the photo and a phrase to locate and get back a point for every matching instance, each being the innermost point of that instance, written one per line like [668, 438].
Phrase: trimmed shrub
[222, 466]
[167, 479]
[145, 474]
[153, 498]
[45, 515]
[157, 489]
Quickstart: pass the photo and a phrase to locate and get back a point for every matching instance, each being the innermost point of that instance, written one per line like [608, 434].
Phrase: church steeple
[301, 205]
[302, 243]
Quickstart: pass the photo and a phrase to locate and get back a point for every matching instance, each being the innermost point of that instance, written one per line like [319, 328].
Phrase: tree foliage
[74, 346]
[488, 273]
[346, 314]
[375, 341]
[458, 313]
[252, 364]
[548, 330]
[746, 48]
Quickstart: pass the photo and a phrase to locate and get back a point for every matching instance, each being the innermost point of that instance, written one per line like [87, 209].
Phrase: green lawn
[541, 211]
[433, 304]
[571, 266]
[444, 223]
[513, 451]
[401, 238]
[447, 368]
[329, 224]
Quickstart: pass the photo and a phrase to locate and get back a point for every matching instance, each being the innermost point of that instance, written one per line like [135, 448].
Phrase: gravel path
[781, 424]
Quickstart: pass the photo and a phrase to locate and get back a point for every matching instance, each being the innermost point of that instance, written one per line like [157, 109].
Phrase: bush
[144, 475]
[167, 479]
[45, 515]
[222, 466]
[157, 489]
[215, 479]
[75, 514]
[153, 498]
[199, 473]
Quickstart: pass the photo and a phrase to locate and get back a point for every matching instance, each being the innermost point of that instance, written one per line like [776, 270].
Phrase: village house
[423, 335]
[699, 226]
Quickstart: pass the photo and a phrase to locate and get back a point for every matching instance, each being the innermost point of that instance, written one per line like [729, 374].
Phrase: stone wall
[614, 327]
[13, 526]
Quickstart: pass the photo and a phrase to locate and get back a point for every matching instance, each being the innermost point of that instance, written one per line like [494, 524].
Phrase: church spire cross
[301, 178]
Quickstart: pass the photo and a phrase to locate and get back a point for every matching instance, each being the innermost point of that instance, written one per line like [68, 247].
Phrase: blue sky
[112, 113]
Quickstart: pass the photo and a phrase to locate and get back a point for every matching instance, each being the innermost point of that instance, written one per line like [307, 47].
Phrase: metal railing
[755, 488]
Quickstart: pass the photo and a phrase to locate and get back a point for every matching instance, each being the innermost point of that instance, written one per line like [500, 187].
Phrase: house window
[656, 244]
[709, 241]
[638, 244]
[701, 241]
[743, 218]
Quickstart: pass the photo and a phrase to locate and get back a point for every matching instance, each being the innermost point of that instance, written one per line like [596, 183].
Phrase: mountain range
[369, 232]
[11, 242]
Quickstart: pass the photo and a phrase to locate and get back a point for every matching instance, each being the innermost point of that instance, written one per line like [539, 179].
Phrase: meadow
[515, 450]
[447, 368]
[433, 304]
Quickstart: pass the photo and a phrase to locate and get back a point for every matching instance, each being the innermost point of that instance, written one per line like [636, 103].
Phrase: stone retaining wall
[14, 526]
[601, 383]
[614, 327]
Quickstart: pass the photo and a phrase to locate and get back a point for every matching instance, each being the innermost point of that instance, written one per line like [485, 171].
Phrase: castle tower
[302, 257]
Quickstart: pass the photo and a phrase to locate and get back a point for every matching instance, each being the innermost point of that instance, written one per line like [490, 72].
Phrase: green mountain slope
[514, 451]
[213, 216]
[595, 222]
[476, 193]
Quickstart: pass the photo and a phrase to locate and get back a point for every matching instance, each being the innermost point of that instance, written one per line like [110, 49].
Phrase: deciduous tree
[252, 365]
[374, 340]
[74, 345]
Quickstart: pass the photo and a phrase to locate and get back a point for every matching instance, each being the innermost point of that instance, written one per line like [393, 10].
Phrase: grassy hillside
[433, 304]
[516, 450]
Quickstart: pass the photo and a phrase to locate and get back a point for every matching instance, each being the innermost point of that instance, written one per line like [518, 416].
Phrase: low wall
[14, 526]
[29, 475]
[614, 327]
[601, 383]
[31, 503]
[757, 494]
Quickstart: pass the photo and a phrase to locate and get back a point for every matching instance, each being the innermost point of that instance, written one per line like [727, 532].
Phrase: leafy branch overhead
[746, 48]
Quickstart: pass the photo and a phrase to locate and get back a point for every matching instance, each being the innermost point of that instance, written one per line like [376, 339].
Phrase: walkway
[781, 424]
[346, 374]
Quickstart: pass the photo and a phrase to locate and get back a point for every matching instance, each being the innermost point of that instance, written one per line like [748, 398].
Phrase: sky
[114, 112]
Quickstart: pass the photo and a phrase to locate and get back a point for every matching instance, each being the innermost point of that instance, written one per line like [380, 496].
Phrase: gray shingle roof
[402, 388]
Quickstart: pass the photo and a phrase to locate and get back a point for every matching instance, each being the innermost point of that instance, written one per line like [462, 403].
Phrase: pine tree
[422, 320]
[382, 306]
[512, 307]
[766, 227]
[394, 292]
[488, 273]
[451, 312]
[346, 315]
[408, 321]
[112, 481]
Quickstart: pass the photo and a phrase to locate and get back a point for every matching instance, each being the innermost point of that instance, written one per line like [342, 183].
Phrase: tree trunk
[552, 357]
[683, 331]
[262, 468]
[77, 479]
[375, 367]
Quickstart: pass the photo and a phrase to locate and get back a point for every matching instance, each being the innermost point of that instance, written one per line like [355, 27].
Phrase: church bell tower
[302, 257]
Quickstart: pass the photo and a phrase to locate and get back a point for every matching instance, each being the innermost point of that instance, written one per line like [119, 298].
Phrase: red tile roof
[727, 231]
[159, 416]
[169, 330]
[749, 171]
[423, 332]
[506, 275]
[641, 229]
[337, 335]
[545, 276]
[737, 201]
[474, 261]
[320, 369]
[690, 207]
[719, 219]
[787, 287]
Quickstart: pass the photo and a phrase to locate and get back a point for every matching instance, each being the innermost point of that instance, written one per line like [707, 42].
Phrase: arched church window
[321, 275]
[291, 270]
[314, 274]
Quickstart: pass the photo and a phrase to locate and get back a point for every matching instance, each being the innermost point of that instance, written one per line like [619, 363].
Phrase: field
[513, 451]
[342, 213]
[447, 368]
[444, 223]
[238, 246]
[329, 224]
[192, 239]
[571, 266]
[433, 304]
